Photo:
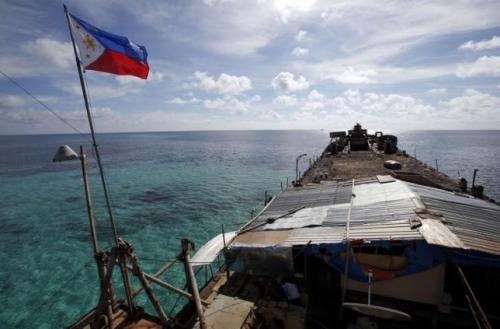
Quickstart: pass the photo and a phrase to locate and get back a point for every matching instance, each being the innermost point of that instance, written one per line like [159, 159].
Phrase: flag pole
[124, 271]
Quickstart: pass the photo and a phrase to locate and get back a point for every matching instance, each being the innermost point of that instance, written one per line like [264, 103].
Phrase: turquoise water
[165, 186]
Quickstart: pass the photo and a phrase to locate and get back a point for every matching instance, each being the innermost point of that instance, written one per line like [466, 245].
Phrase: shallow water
[165, 186]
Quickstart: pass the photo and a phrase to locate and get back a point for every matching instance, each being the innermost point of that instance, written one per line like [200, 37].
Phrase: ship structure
[368, 237]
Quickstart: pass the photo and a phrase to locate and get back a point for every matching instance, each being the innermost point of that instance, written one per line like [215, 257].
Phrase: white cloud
[285, 100]
[255, 99]
[290, 9]
[473, 103]
[390, 23]
[301, 36]
[285, 82]
[230, 104]
[10, 101]
[99, 90]
[483, 66]
[39, 56]
[234, 28]
[353, 75]
[339, 71]
[52, 51]
[299, 51]
[180, 101]
[315, 101]
[315, 95]
[353, 102]
[153, 77]
[492, 43]
[22, 116]
[214, 2]
[225, 84]
[19, 66]
[436, 91]
[270, 115]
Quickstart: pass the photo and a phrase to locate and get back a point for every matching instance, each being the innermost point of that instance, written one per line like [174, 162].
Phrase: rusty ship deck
[363, 245]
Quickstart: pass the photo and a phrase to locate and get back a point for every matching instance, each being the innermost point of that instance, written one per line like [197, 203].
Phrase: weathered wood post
[224, 241]
[106, 289]
[145, 284]
[88, 200]
[191, 279]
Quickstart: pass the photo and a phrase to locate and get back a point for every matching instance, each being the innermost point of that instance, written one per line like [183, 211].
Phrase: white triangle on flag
[89, 48]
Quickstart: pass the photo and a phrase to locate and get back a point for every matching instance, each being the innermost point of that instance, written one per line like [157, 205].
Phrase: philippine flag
[107, 52]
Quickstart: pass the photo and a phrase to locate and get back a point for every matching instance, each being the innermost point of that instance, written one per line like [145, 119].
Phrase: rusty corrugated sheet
[306, 197]
[384, 212]
[435, 232]
[474, 221]
[315, 235]
[390, 230]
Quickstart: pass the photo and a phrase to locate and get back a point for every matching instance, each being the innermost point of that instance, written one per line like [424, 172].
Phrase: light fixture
[65, 153]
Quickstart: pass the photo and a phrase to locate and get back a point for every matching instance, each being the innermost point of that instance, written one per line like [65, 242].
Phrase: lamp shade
[65, 153]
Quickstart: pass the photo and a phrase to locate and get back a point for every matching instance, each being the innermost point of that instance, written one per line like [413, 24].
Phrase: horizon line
[219, 130]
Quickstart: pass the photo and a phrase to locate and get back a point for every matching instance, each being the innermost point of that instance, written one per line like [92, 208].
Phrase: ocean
[164, 186]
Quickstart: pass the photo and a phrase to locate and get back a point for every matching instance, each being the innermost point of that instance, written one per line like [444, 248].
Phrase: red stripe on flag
[117, 63]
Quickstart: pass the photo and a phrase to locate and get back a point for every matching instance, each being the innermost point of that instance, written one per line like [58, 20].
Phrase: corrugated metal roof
[315, 235]
[328, 205]
[474, 221]
[370, 213]
[435, 232]
[389, 230]
[395, 230]
[383, 212]
[379, 211]
[306, 197]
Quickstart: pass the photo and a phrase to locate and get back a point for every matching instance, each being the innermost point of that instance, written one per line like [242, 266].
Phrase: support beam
[156, 275]
[168, 286]
[186, 248]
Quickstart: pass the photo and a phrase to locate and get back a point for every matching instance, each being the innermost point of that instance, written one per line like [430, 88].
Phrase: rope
[163, 261]
[45, 106]
[472, 300]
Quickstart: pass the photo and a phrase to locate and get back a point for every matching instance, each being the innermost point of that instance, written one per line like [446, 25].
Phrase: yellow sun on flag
[89, 42]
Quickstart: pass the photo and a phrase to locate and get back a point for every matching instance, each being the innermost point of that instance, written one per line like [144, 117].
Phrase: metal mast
[125, 276]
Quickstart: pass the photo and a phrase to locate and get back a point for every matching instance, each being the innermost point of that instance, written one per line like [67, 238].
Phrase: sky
[276, 64]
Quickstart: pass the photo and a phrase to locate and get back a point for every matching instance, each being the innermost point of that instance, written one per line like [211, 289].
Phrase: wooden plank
[385, 179]
[435, 232]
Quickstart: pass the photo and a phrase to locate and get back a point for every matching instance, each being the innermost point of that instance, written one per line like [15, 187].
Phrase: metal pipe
[348, 251]
[126, 279]
[474, 178]
[223, 235]
[106, 290]
[224, 241]
[88, 199]
[472, 299]
[297, 167]
[370, 275]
